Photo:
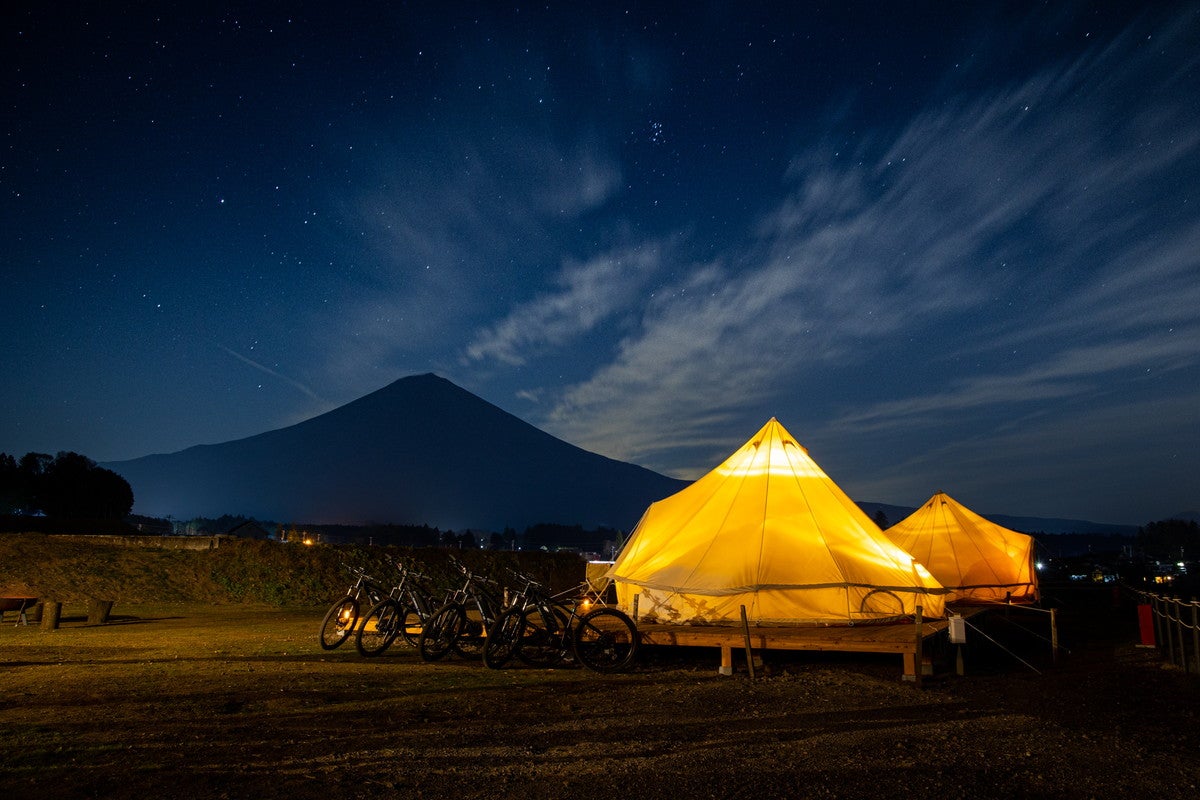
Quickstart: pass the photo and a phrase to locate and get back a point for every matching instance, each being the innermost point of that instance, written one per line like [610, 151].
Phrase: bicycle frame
[342, 618]
[453, 627]
[543, 628]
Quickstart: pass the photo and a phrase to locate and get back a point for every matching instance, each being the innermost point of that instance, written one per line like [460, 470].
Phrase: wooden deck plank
[899, 638]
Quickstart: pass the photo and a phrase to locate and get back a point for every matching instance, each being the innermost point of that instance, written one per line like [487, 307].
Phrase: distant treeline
[1163, 539]
[1170, 538]
[543, 536]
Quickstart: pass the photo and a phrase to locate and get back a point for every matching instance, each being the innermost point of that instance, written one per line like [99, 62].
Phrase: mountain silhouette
[419, 451]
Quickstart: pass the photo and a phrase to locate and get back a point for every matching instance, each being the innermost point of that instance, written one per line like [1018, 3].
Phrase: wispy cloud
[1073, 372]
[583, 295]
[1115, 457]
[1018, 215]
[449, 229]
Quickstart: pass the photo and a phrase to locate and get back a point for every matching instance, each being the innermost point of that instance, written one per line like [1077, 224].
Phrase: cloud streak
[305, 390]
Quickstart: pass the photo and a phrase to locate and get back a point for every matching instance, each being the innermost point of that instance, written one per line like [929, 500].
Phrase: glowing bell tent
[977, 560]
[768, 529]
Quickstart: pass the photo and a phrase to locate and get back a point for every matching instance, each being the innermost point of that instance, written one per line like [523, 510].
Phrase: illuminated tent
[769, 530]
[977, 560]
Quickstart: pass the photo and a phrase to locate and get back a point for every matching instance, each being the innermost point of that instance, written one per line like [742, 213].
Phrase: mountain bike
[402, 613]
[341, 619]
[503, 637]
[544, 629]
[461, 624]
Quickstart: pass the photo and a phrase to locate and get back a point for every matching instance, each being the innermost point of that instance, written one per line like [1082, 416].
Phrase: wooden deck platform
[906, 639]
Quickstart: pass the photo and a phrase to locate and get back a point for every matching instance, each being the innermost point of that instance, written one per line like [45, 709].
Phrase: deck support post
[726, 660]
[749, 650]
[912, 660]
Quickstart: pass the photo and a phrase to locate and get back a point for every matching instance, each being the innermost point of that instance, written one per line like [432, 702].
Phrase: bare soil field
[239, 701]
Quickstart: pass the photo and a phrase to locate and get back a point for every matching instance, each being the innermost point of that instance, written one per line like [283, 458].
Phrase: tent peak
[773, 430]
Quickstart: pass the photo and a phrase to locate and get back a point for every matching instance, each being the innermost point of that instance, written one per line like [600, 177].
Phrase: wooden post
[51, 611]
[1054, 634]
[749, 651]
[726, 660]
[635, 607]
[1167, 602]
[1158, 626]
[1195, 635]
[1183, 656]
[98, 611]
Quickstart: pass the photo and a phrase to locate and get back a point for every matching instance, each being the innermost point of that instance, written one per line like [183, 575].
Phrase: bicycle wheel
[440, 631]
[542, 645]
[339, 623]
[411, 625]
[471, 637]
[503, 639]
[379, 628]
[606, 640]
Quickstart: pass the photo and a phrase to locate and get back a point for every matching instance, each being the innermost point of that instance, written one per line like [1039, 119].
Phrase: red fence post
[1146, 625]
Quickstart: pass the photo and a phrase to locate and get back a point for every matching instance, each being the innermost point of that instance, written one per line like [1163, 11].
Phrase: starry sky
[950, 246]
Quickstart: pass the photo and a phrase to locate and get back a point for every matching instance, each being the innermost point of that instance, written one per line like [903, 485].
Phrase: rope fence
[1172, 625]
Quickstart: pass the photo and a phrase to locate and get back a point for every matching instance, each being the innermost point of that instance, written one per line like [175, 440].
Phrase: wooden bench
[19, 605]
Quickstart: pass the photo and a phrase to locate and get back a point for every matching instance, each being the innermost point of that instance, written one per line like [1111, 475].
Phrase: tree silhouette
[10, 479]
[66, 486]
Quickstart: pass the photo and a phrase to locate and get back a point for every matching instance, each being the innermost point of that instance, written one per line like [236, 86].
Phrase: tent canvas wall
[976, 560]
[768, 529]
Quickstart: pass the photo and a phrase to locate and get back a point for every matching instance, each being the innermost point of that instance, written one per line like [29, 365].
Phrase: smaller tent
[976, 560]
[770, 531]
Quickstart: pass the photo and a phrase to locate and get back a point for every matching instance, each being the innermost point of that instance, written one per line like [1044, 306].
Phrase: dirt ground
[240, 702]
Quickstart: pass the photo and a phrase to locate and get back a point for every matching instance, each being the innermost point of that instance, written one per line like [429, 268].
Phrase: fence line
[1176, 631]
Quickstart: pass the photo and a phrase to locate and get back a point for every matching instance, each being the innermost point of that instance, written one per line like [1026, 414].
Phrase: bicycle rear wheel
[542, 642]
[411, 625]
[606, 640]
[440, 631]
[339, 623]
[471, 637]
[503, 639]
[379, 628]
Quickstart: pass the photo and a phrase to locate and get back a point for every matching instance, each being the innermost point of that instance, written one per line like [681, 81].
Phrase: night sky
[951, 246]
